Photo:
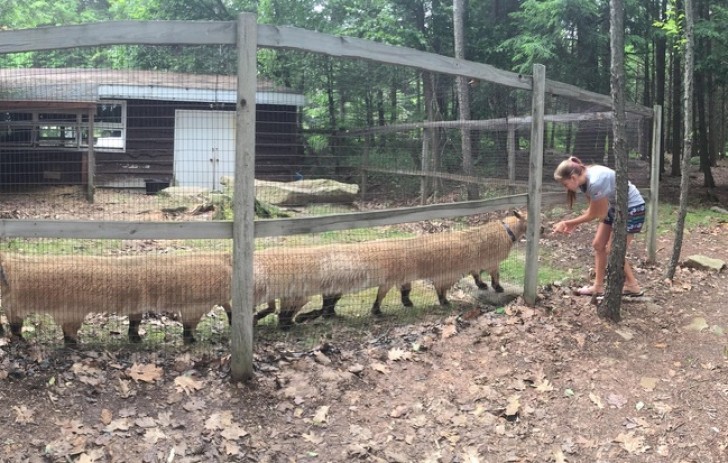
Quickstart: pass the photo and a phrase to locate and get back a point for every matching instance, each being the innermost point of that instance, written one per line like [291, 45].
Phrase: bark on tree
[687, 140]
[660, 78]
[612, 303]
[458, 7]
[676, 145]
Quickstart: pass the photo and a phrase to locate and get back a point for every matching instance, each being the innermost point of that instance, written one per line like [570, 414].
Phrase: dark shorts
[635, 218]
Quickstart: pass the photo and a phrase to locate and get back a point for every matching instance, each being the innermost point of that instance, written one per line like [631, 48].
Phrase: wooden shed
[47, 116]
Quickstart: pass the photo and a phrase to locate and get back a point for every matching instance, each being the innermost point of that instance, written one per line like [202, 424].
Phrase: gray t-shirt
[601, 182]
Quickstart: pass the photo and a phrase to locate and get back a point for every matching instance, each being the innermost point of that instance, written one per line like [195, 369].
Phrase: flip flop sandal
[587, 291]
[628, 293]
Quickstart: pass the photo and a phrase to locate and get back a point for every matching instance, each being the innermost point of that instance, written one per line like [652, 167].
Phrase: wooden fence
[248, 36]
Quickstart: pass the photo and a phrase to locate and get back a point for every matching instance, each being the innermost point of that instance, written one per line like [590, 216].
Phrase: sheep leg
[495, 281]
[134, 321]
[478, 281]
[188, 332]
[289, 307]
[442, 294]
[265, 312]
[405, 291]
[327, 309]
[70, 333]
[377, 306]
[329, 304]
[16, 328]
[229, 311]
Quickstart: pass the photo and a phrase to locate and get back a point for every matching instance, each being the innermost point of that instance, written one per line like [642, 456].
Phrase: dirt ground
[551, 383]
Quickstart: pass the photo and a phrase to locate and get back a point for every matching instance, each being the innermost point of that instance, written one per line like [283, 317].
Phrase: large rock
[302, 192]
[704, 263]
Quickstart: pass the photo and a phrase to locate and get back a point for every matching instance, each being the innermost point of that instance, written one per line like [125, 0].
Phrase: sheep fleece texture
[70, 287]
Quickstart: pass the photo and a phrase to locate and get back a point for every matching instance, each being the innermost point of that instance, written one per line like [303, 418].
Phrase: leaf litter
[472, 386]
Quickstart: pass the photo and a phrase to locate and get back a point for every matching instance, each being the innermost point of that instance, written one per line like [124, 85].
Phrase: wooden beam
[118, 33]
[243, 306]
[223, 32]
[484, 124]
[35, 105]
[216, 230]
[535, 177]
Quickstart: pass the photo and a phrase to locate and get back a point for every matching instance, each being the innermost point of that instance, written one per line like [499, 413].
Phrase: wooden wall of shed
[150, 140]
[32, 166]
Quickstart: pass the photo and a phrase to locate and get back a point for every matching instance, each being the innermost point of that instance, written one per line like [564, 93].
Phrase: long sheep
[442, 258]
[480, 248]
[70, 287]
[294, 274]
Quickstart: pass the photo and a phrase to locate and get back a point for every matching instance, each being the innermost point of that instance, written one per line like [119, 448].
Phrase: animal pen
[305, 173]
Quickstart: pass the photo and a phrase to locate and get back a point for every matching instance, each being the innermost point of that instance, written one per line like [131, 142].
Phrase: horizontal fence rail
[263, 228]
[223, 32]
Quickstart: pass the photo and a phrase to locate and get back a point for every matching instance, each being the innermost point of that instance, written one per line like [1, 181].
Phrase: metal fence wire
[148, 134]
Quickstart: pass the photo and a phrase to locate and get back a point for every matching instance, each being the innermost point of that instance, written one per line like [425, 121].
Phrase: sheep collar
[510, 232]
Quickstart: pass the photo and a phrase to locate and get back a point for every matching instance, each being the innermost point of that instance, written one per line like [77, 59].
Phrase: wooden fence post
[241, 330]
[91, 158]
[535, 176]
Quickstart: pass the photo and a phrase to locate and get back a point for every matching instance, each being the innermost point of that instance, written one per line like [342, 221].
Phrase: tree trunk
[702, 77]
[702, 130]
[458, 7]
[688, 140]
[660, 75]
[612, 303]
[676, 114]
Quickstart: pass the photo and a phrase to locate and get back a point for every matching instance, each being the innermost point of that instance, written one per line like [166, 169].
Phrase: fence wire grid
[150, 136]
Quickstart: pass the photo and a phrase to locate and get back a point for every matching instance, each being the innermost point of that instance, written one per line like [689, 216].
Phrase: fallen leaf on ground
[648, 384]
[321, 415]
[544, 386]
[380, 367]
[596, 400]
[698, 324]
[513, 405]
[233, 432]
[396, 353]
[148, 373]
[23, 415]
[187, 384]
[313, 438]
[219, 420]
[616, 400]
[631, 443]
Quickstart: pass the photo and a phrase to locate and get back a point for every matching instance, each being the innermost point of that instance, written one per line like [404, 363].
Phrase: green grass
[32, 246]
[696, 217]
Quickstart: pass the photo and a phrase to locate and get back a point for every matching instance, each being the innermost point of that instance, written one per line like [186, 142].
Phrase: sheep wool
[70, 287]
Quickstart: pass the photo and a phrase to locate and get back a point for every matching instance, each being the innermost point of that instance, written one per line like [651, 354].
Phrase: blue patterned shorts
[635, 218]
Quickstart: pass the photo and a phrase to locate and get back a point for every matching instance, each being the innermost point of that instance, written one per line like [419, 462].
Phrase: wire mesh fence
[147, 133]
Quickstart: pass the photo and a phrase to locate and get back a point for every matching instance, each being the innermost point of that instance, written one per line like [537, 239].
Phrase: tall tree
[611, 305]
[688, 139]
[458, 12]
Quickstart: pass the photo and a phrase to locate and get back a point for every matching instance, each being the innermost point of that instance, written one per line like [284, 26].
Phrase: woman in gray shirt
[599, 185]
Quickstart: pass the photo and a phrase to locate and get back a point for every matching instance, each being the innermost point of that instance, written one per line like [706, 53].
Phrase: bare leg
[601, 252]
[630, 281]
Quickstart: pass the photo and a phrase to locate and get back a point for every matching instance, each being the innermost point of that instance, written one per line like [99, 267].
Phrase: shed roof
[79, 85]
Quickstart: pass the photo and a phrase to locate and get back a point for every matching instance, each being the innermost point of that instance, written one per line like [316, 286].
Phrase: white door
[204, 147]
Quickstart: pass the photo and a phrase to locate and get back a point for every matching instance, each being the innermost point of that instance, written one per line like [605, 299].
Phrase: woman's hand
[564, 227]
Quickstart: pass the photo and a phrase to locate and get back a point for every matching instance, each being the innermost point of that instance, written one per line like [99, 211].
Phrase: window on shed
[109, 126]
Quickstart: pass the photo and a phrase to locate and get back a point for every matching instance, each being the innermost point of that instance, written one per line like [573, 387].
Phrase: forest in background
[571, 38]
